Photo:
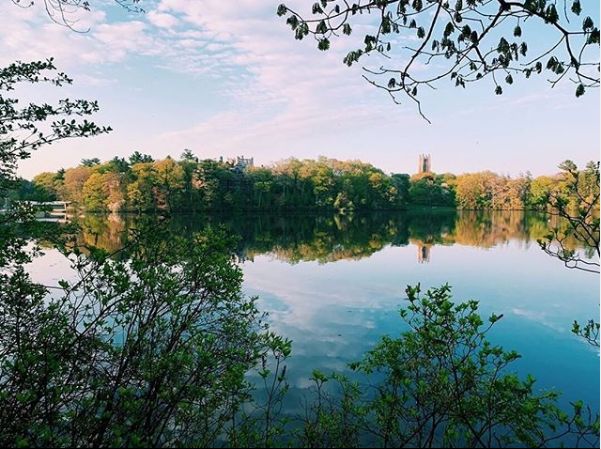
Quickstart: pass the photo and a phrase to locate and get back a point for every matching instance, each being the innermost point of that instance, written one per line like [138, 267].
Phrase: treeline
[142, 184]
[189, 184]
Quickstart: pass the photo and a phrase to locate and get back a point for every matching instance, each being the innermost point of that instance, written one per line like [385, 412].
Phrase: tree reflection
[329, 238]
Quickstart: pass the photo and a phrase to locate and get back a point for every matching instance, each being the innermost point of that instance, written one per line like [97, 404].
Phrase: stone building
[240, 163]
[425, 163]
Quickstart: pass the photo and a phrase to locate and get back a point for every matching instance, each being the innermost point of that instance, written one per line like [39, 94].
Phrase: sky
[227, 78]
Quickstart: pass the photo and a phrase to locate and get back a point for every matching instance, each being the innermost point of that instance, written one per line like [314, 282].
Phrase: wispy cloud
[269, 93]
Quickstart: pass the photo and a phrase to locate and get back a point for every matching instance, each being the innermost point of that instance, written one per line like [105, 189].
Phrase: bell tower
[425, 163]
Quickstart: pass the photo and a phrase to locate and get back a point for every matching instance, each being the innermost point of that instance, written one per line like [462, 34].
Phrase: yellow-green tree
[94, 193]
[75, 178]
[169, 179]
[139, 191]
[48, 184]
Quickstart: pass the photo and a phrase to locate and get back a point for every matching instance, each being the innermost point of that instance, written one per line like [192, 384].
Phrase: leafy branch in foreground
[463, 41]
[149, 350]
[22, 131]
[443, 384]
[588, 331]
[578, 204]
[63, 12]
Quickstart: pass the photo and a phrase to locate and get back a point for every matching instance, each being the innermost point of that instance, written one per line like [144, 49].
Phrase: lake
[334, 284]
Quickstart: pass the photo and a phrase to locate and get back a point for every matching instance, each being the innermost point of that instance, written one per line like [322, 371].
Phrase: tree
[188, 156]
[169, 179]
[140, 189]
[48, 186]
[577, 202]
[189, 164]
[23, 131]
[90, 162]
[402, 183]
[471, 191]
[488, 190]
[118, 165]
[103, 192]
[148, 350]
[75, 178]
[20, 128]
[462, 41]
[541, 190]
[441, 383]
[94, 194]
[138, 157]
[263, 183]
[429, 189]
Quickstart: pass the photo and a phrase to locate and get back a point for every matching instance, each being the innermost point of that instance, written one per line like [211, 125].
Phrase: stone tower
[425, 163]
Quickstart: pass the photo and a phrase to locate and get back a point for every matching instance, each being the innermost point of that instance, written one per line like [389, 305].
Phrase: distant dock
[52, 211]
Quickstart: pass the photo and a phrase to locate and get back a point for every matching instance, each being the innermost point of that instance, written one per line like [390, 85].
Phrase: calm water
[334, 284]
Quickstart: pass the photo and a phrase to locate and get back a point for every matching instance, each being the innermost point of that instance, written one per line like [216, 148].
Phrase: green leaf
[321, 28]
[523, 48]
[449, 29]
[282, 9]
[587, 24]
[551, 14]
[323, 44]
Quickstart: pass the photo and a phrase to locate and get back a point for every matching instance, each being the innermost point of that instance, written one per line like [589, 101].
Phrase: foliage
[443, 384]
[138, 157]
[462, 41]
[589, 331]
[578, 204]
[148, 350]
[22, 131]
[189, 184]
[487, 190]
[429, 189]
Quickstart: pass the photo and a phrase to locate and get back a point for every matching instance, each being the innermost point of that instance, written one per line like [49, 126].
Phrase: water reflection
[335, 312]
[329, 238]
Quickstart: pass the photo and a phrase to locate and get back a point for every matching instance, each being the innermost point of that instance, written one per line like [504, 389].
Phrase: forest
[188, 184]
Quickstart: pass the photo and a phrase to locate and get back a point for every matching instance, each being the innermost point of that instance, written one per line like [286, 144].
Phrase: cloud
[283, 89]
[28, 34]
[233, 79]
[162, 20]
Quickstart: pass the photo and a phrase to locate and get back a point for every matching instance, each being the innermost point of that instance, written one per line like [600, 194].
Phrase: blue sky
[227, 78]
